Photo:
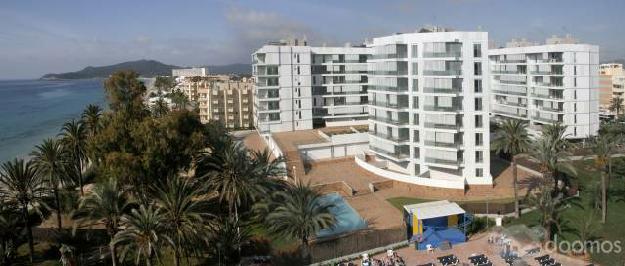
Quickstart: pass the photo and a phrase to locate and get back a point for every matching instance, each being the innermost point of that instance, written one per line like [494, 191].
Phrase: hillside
[145, 68]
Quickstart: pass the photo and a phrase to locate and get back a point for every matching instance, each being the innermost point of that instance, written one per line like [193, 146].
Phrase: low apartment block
[612, 84]
[303, 87]
[556, 82]
[222, 98]
[428, 107]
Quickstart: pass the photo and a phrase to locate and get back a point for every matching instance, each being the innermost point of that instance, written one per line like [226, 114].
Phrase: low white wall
[360, 160]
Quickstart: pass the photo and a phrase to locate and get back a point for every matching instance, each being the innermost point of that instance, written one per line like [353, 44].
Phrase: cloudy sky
[38, 37]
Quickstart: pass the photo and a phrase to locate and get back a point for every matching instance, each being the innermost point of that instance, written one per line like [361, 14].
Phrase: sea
[32, 110]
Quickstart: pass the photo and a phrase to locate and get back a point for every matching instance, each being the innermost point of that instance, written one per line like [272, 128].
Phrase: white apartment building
[546, 84]
[428, 107]
[190, 72]
[300, 87]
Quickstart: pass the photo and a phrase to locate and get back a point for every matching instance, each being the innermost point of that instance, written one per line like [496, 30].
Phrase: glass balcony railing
[546, 96]
[443, 144]
[449, 72]
[549, 109]
[504, 112]
[389, 88]
[390, 137]
[397, 122]
[549, 72]
[508, 72]
[443, 161]
[548, 84]
[546, 119]
[390, 105]
[442, 54]
[512, 103]
[442, 90]
[398, 155]
[453, 108]
[442, 126]
[515, 82]
[510, 92]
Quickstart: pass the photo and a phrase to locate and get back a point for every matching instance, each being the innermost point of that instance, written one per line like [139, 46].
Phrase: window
[479, 139]
[415, 69]
[479, 172]
[478, 104]
[415, 85]
[477, 50]
[477, 85]
[478, 121]
[479, 156]
[477, 68]
[414, 51]
[415, 120]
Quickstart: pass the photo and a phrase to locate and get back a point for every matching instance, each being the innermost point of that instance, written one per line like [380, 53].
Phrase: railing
[546, 72]
[549, 60]
[547, 96]
[544, 84]
[512, 104]
[390, 121]
[508, 72]
[545, 119]
[442, 90]
[390, 137]
[454, 108]
[389, 105]
[396, 155]
[443, 144]
[442, 54]
[449, 72]
[442, 126]
[389, 88]
[510, 92]
[442, 161]
[510, 61]
[512, 82]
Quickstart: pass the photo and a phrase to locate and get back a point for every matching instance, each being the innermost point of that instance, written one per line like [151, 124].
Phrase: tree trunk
[79, 166]
[604, 197]
[29, 232]
[176, 256]
[113, 254]
[515, 182]
[58, 208]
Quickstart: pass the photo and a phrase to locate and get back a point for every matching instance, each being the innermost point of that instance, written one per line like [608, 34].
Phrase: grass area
[399, 202]
[588, 177]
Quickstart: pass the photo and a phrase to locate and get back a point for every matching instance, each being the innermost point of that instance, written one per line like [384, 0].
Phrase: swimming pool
[347, 219]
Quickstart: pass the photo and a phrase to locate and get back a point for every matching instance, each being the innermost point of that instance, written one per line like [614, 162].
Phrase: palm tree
[616, 105]
[188, 221]
[297, 212]
[107, 203]
[513, 139]
[549, 208]
[554, 137]
[604, 147]
[180, 100]
[547, 156]
[91, 118]
[23, 184]
[74, 141]
[160, 107]
[50, 159]
[237, 177]
[143, 234]
[10, 229]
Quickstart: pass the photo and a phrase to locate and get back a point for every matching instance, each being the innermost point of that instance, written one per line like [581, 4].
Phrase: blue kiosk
[435, 223]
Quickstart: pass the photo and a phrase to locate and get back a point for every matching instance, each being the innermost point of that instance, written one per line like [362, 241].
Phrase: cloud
[253, 28]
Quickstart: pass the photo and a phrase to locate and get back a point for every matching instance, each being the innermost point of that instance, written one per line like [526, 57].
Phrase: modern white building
[300, 87]
[546, 84]
[428, 107]
[190, 72]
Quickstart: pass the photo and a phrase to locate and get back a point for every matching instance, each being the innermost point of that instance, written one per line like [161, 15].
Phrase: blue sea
[32, 110]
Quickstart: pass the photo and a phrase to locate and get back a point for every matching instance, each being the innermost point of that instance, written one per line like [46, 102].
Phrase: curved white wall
[407, 178]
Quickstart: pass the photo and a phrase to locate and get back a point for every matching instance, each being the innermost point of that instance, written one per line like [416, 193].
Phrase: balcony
[511, 103]
[546, 119]
[548, 84]
[442, 90]
[551, 72]
[390, 105]
[396, 122]
[508, 72]
[390, 137]
[442, 54]
[549, 109]
[397, 155]
[504, 112]
[443, 161]
[443, 126]
[510, 92]
[267, 83]
[449, 72]
[436, 144]
[547, 96]
[388, 88]
[514, 82]
[453, 108]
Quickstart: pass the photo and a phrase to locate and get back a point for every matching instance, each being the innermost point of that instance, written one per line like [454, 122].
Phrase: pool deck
[373, 206]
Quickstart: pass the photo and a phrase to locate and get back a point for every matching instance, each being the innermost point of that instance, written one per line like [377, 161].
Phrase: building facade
[229, 100]
[300, 87]
[545, 84]
[428, 106]
[612, 84]
[190, 72]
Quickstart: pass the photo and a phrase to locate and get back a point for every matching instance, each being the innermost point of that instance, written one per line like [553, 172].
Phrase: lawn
[588, 177]
[399, 202]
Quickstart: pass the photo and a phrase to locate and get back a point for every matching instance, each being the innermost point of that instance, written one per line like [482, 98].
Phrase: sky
[39, 37]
